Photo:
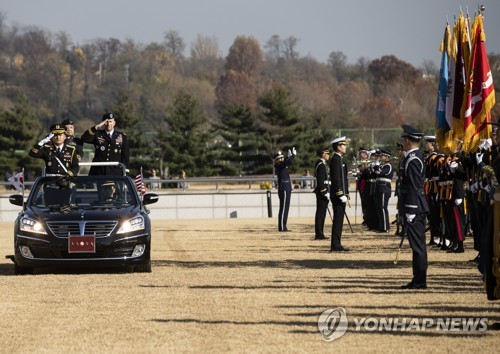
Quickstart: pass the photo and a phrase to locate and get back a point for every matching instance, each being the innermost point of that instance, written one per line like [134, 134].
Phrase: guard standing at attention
[60, 158]
[110, 146]
[339, 192]
[322, 191]
[413, 205]
[284, 185]
[384, 173]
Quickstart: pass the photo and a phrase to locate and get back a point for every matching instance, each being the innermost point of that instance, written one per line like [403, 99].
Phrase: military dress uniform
[339, 194]
[413, 206]
[108, 148]
[284, 186]
[58, 160]
[322, 191]
[384, 173]
[454, 209]
[72, 140]
[431, 192]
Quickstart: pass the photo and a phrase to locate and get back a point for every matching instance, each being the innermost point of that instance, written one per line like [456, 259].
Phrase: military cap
[322, 151]
[410, 132]
[339, 141]
[384, 152]
[278, 155]
[108, 184]
[362, 149]
[430, 138]
[57, 129]
[68, 122]
[108, 116]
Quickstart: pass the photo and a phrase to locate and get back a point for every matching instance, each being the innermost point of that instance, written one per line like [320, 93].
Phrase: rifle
[403, 235]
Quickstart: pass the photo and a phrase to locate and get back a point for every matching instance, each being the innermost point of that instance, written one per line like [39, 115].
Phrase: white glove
[343, 199]
[479, 157]
[474, 187]
[487, 188]
[294, 152]
[485, 144]
[327, 196]
[453, 166]
[289, 153]
[410, 217]
[458, 201]
[45, 140]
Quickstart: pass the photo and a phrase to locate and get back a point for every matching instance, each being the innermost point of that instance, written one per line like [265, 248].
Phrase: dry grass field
[237, 285]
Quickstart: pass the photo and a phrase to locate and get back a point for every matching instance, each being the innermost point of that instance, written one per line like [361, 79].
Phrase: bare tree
[289, 48]
[174, 44]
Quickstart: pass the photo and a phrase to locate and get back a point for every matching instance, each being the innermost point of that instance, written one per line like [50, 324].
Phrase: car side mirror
[150, 198]
[16, 199]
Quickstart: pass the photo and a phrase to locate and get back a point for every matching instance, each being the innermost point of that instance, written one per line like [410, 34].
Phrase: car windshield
[83, 192]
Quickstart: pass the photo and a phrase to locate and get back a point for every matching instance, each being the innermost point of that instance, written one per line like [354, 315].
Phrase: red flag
[139, 184]
[480, 92]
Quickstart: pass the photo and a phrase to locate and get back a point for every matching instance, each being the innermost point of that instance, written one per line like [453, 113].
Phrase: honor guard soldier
[488, 162]
[454, 209]
[399, 218]
[284, 185]
[339, 192]
[384, 173]
[60, 158]
[69, 125]
[110, 146]
[362, 175]
[413, 205]
[431, 189]
[322, 191]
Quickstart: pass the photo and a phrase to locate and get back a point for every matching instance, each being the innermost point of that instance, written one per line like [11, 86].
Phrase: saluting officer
[413, 205]
[322, 191]
[69, 125]
[110, 146]
[339, 192]
[284, 185]
[60, 158]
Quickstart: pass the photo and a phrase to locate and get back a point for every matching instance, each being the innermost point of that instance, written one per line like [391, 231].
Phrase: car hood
[84, 214]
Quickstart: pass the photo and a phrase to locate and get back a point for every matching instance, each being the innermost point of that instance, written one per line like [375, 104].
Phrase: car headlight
[133, 224]
[30, 225]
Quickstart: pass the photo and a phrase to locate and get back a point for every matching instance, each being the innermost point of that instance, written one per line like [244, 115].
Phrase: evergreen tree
[185, 144]
[281, 123]
[19, 130]
[129, 120]
[241, 150]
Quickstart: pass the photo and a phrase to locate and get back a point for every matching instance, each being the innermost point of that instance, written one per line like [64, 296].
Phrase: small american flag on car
[139, 183]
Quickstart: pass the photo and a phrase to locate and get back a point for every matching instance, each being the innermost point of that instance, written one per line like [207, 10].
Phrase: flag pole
[22, 185]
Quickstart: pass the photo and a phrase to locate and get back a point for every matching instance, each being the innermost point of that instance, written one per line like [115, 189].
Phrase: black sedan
[83, 221]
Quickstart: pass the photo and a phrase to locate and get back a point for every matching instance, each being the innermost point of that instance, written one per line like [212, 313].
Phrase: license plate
[81, 244]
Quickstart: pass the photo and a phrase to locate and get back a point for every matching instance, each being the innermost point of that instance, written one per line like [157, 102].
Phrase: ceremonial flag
[442, 126]
[459, 81]
[139, 183]
[18, 181]
[480, 92]
[456, 84]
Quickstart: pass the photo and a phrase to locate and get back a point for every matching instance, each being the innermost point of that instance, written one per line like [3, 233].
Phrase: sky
[411, 30]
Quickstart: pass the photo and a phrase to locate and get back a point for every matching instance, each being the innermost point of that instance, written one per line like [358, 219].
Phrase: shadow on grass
[311, 327]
